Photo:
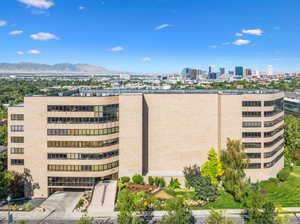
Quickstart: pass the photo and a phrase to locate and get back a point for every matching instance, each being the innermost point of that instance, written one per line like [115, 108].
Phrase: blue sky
[153, 35]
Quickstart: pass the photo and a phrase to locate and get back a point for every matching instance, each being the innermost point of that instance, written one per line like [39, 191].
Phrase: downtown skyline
[152, 36]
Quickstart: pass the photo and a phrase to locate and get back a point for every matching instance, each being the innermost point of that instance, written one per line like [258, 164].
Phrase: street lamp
[9, 215]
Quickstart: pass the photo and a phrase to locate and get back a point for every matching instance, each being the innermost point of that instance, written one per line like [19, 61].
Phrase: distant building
[186, 72]
[231, 72]
[269, 70]
[239, 72]
[257, 73]
[124, 76]
[212, 75]
[211, 69]
[222, 71]
[191, 73]
[247, 72]
[292, 103]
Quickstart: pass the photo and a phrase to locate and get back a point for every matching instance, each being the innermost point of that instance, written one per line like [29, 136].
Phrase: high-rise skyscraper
[269, 70]
[247, 72]
[186, 72]
[222, 71]
[211, 69]
[239, 72]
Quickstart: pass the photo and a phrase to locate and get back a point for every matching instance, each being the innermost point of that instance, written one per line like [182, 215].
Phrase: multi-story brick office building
[74, 139]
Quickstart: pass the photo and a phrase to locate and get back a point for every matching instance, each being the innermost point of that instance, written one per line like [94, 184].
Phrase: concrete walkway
[103, 198]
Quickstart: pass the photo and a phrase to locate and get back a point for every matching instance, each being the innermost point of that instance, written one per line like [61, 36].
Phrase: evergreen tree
[212, 168]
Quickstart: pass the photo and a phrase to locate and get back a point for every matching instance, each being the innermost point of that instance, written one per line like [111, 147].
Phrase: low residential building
[292, 103]
[72, 140]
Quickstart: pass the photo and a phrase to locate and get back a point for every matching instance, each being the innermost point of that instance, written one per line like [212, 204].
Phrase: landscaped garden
[220, 183]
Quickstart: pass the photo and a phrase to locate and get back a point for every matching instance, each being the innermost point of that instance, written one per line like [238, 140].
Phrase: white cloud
[42, 4]
[257, 32]
[3, 23]
[20, 52]
[44, 36]
[238, 34]
[213, 46]
[16, 32]
[81, 7]
[117, 48]
[162, 26]
[146, 59]
[33, 52]
[241, 42]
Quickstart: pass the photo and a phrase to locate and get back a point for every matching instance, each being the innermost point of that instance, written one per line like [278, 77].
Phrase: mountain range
[28, 67]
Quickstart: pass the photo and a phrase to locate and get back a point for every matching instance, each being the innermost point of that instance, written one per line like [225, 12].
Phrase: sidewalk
[33, 215]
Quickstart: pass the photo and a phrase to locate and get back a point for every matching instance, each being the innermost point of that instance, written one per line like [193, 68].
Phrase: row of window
[71, 181]
[17, 117]
[271, 143]
[93, 168]
[17, 139]
[83, 108]
[251, 103]
[254, 155]
[277, 102]
[17, 162]
[252, 145]
[273, 132]
[258, 134]
[17, 128]
[258, 113]
[257, 145]
[274, 122]
[258, 124]
[272, 112]
[16, 150]
[251, 134]
[254, 166]
[85, 132]
[259, 103]
[82, 144]
[272, 153]
[273, 162]
[251, 114]
[82, 120]
[251, 124]
[83, 156]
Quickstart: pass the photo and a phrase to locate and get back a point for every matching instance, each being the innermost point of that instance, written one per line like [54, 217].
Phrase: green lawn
[286, 194]
[225, 200]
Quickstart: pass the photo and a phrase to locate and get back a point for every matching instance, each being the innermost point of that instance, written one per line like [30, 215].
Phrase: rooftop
[116, 92]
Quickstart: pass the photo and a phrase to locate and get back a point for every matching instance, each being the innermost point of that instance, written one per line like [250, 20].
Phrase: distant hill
[62, 67]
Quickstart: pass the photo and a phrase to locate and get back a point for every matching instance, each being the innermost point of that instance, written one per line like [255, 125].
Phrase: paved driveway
[62, 203]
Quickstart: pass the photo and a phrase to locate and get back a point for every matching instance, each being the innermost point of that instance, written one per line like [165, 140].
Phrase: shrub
[174, 183]
[28, 207]
[85, 220]
[217, 217]
[125, 179]
[21, 222]
[177, 212]
[156, 181]
[162, 182]
[80, 203]
[138, 179]
[297, 162]
[150, 180]
[283, 174]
